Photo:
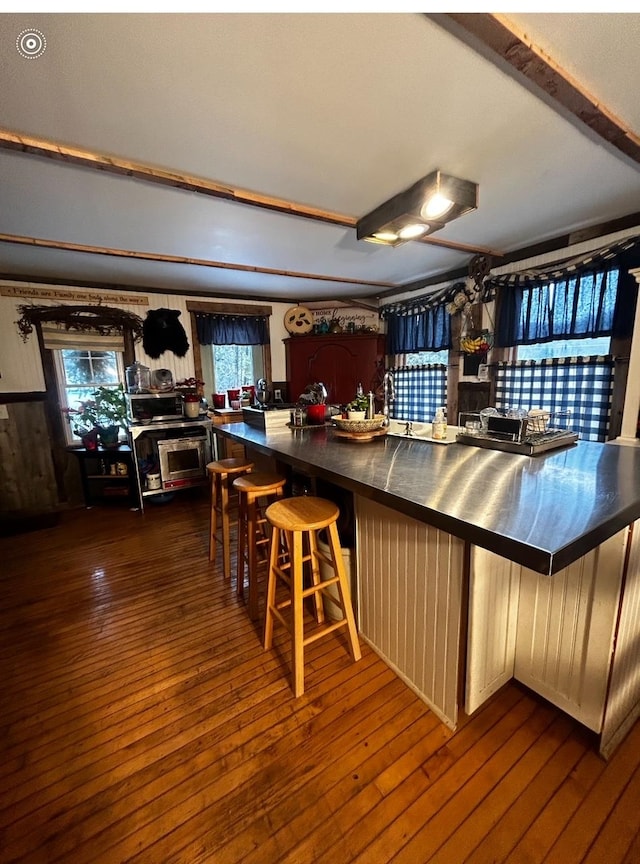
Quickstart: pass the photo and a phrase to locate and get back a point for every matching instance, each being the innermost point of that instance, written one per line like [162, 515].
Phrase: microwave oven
[153, 407]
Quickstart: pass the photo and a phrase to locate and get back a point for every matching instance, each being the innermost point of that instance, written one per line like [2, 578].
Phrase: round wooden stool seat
[302, 514]
[229, 466]
[222, 506]
[256, 491]
[296, 523]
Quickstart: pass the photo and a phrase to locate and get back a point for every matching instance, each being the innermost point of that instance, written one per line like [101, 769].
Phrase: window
[565, 348]
[561, 325]
[233, 344]
[419, 392]
[422, 358]
[235, 365]
[420, 341]
[79, 372]
[576, 391]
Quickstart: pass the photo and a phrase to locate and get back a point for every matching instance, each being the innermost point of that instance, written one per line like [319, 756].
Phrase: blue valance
[589, 297]
[214, 329]
[427, 330]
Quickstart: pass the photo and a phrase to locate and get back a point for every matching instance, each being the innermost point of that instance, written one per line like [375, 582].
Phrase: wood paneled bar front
[476, 566]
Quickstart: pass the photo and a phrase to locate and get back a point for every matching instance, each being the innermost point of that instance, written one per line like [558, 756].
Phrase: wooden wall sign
[77, 296]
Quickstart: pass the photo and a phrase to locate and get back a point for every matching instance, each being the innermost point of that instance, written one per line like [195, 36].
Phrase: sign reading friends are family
[45, 292]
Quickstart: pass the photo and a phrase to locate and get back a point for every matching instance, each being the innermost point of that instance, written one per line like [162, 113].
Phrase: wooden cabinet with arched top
[339, 361]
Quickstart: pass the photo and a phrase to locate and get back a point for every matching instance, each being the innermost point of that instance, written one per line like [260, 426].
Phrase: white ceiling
[338, 112]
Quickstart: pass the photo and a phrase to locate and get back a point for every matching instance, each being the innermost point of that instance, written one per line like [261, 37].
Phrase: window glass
[565, 348]
[422, 358]
[235, 365]
[79, 372]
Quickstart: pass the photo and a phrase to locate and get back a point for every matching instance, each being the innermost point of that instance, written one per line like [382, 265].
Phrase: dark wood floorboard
[143, 722]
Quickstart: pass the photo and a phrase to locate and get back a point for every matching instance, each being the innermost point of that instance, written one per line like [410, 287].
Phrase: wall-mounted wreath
[105, 320]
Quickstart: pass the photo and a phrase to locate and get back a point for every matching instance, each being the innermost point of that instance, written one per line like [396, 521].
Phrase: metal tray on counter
[532, 445]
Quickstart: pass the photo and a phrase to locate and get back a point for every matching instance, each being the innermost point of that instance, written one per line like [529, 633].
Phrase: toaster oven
[183, 461]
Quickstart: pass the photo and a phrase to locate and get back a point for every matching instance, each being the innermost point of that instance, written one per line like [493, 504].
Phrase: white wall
[20, 366]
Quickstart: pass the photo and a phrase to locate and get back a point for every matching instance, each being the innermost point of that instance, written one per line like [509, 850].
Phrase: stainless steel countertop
[542, 511]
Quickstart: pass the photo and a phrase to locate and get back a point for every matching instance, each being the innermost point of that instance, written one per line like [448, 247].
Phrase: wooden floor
[143, 722]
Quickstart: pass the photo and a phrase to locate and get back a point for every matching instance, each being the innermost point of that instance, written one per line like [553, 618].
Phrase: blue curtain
[419, 392]
[232, 329]
[426, 330]
[583, 306]
[592, 298]
[576, 391]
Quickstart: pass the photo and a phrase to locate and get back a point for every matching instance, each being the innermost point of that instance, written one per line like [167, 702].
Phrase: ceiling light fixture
[420, 210]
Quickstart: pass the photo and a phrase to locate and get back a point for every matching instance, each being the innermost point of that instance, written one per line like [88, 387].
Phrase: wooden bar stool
[256, 491]
[222, 506]
[296, 521]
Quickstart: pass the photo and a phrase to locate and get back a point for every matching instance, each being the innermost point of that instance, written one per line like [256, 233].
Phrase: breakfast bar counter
[539, 511]
[476, 566]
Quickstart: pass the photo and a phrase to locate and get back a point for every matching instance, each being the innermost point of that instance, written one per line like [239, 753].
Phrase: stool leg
[298, 631]
[241, 545]
[226, 534]
[344, 591]
[252, 555]
[271, 589]
[213, 522]
[315, 576]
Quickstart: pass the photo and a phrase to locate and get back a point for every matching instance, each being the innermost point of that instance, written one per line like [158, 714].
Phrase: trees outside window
[235, 365]
[79, 373]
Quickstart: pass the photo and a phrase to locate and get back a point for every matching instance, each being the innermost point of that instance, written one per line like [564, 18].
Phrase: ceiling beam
[179, 259]
[48, 149]
[500, 41]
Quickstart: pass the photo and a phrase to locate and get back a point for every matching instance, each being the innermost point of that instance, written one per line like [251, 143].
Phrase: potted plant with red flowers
[100, 418]
[190, 388]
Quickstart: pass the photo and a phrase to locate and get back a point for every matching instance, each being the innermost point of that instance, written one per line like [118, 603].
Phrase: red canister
[316, 414]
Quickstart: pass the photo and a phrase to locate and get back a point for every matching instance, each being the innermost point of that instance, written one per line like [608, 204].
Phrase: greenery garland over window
[105, 320]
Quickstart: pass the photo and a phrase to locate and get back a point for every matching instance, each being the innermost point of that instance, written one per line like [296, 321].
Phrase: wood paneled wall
[27, 481]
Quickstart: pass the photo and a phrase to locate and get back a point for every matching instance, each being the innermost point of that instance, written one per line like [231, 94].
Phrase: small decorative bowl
[359, 425]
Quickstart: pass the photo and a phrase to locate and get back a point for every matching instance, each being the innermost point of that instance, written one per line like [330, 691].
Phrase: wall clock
[298, 320]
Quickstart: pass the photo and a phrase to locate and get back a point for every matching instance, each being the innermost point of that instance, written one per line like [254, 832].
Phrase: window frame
[194, 306]
[62, 386]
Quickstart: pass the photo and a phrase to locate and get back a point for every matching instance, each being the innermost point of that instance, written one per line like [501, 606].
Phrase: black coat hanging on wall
[161, 331]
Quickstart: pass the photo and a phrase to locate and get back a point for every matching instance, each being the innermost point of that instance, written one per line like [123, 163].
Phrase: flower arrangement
[189, 384]
[106, 408]
[478, 344]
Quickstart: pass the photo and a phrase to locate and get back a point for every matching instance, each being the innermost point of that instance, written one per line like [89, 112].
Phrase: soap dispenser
[439, 426]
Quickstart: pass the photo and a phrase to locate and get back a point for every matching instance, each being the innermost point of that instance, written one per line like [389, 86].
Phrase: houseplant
[101, 417]
[358, 407]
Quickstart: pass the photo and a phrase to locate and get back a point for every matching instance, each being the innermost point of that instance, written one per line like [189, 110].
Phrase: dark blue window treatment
[427, 330]
[583, 306]
[232, 329]
[419, 392]
[594, 297]
[576, 391]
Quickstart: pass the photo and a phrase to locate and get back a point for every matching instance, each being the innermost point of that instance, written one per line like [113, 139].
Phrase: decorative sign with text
[48, 293]
[360, 318]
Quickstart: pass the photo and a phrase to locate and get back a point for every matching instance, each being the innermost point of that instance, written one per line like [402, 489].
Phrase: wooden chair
[296, 523]
[223, 507]
[256, 491]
